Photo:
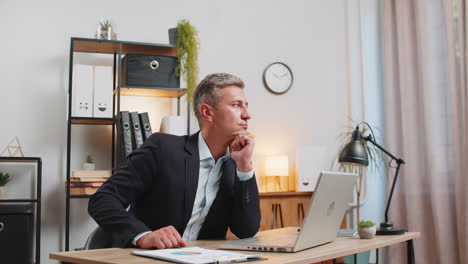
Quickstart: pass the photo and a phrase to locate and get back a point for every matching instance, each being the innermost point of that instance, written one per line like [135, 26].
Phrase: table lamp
[277, 166]
[354, 153]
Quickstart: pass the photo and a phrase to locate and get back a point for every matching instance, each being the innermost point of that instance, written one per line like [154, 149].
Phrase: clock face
[278, 77]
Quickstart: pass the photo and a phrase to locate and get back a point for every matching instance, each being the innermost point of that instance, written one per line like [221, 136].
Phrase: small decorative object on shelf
[366, 229]
[13, 149]
[173, 35]
[89, 164]
[105, 30]
[4, 179]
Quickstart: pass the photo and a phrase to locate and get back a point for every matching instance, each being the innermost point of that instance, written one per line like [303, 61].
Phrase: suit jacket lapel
[192, 169]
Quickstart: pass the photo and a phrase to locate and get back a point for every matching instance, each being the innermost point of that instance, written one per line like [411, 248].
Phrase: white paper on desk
[193, 255]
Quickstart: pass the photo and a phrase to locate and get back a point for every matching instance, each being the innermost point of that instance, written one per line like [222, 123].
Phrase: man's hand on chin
[241, 150]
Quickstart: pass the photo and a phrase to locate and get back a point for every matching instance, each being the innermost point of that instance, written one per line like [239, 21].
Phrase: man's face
[230, 114]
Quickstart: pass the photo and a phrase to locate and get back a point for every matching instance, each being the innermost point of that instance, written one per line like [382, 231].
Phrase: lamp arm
[371, 140]
[398, 161]
[391, 191]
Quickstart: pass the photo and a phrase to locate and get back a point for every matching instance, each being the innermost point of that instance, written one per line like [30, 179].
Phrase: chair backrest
[98, 239]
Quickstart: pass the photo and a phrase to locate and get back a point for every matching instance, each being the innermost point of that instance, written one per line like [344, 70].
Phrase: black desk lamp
[354, 153]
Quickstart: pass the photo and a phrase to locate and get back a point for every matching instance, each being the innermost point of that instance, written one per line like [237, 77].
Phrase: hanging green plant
[187, 52]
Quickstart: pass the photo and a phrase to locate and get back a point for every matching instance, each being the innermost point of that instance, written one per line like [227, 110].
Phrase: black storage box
[150, 70]
[16, 233]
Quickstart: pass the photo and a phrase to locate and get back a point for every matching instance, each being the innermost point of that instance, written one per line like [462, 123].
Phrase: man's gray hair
[207, 91]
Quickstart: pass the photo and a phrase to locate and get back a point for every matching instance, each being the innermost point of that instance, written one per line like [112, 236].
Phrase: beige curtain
[425, 92]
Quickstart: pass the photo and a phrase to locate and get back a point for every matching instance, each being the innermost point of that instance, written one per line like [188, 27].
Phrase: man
[190, 187]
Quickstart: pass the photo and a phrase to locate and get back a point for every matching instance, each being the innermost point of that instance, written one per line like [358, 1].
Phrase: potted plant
[104, 30]
[366, 229]
[89, 164]
[4, 179]
[187, 53]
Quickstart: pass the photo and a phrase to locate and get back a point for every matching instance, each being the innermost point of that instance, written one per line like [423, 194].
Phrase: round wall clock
[278, 77]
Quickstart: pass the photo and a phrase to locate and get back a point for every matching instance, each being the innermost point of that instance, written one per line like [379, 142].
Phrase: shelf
[20, 159]
[126, 90]
[80, 195]
[18, 201]
[92, 121]
[112, 47]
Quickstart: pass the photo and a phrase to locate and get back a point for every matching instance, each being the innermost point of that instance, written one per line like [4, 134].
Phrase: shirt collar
[204, 151]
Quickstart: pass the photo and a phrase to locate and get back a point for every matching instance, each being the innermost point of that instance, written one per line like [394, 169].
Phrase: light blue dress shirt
[208, 184]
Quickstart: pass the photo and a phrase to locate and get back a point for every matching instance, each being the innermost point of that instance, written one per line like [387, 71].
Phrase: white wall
[239, 37]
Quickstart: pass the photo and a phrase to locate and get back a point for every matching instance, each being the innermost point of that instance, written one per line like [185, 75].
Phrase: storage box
[150, 70]
[16, 233]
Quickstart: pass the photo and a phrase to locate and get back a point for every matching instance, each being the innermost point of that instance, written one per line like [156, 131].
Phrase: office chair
[98, 239]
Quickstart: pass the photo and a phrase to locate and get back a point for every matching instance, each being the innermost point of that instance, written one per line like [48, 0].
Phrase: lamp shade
[354, 152]
[277, 165]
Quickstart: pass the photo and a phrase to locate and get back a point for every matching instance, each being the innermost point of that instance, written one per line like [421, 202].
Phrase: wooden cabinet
[286, 206]
[4, 227]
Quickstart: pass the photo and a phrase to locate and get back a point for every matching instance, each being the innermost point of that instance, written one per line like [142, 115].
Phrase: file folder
[82, 94]
[145, 125]
[136, 127]
[126, 133]
[102, 102]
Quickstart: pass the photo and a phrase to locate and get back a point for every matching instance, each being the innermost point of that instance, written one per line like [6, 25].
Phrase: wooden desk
[340, 247]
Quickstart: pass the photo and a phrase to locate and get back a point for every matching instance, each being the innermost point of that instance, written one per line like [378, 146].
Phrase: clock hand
[275, 74]
[286, 74]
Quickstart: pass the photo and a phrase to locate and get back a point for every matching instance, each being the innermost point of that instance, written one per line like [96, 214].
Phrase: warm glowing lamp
[277, 166]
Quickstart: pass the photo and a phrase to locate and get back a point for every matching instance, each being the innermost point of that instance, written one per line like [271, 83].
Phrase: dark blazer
[160, 180]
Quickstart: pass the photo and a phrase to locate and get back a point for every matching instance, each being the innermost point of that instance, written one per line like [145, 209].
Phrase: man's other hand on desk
[166, 237]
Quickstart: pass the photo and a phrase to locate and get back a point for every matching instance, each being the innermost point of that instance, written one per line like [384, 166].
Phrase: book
[85, 184]
[196, 255]
[83, 190]
[88, 179]
[91, 173]
[145, 125]
[136, 127]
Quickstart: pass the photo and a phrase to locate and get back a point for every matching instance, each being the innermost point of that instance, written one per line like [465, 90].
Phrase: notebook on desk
[326, 210]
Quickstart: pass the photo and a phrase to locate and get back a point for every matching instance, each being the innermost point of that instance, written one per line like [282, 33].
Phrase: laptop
[333, 192]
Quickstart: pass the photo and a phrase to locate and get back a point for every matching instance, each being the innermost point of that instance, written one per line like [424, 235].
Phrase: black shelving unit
[117, 49]
[37, 200]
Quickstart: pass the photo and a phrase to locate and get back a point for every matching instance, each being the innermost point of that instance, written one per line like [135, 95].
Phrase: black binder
[126, 133]
[145, 125]
[136, 127]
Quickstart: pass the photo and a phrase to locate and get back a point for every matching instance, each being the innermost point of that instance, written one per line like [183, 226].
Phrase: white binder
[102, 92]
[82, 95]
